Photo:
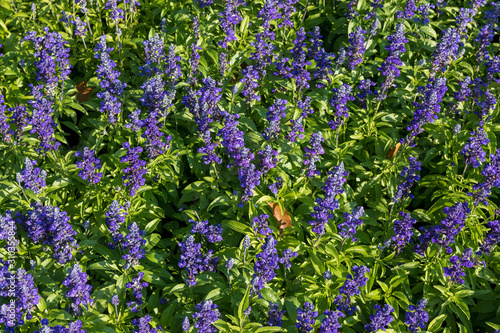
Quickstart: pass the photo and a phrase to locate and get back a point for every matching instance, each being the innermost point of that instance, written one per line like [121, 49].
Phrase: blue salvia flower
[5, 132]
[115, 300]
[472, 151]
[403, 231]
[194, 261]
[79, 290]
[287, 255]
[143, 325]
[492, 237]
[204, 3]
[371, 14]
[464, 17]
[136, 285]
[232, 137]
[115, 13]
[365, 89]
[194, 62]
[306, 318]
[268, 159]
[229, 18]
[356, 49]
[274, 115]
[266, 264]
[492, 68]
[19, 121]
[330, 324]
[248, 175]
[411, 176]
[409, 11]
[340, 58]
[287, 9]
[154, 52]
[351, 7]
[275, 315]
[113, 87]
[484, 39]
[115, 216]
[250, 84]
[321, 57]
[312, 155]
[455, 272]
[423, 11]
[464, 91]
[135, 171]
[213, 233]
[351, 288]
[389, 66]
[351, 223]
[23, 291]
[339, 103]
[276, 186]
[80, 27]
[327, 275]
[65, 19]
[299, 62]
[260, 225]
[50, 226]
[41, 120]
[186, 326]
[382, 318]
[416, 317]
[206, 314]
[32, 178]
[305, 106]
[8, 229]
[173, 68]
[426, 111]
[134, 246]
[325, 207]
[446, 50]
[90, 165]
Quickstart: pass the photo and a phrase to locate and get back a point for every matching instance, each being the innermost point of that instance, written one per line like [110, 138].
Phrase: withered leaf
[393, 151]
[83, 92]
[284, 219]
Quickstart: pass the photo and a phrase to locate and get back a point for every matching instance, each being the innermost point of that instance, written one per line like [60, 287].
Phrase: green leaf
[244, 304]
[435, 324]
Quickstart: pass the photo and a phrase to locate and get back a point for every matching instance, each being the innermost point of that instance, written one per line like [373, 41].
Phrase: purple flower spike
[275, 315]
[472, 151]
[356, 50]
[134, 245]
[410, 174]
[79, 292]
[288, 254]
[351, 288]
[90, 164]
[416, 317]
[382, 318]
[135, 171]
[339, 103]
[330, 324]
[305, 318]
[351, 223]
[32, 178]
[403, 230]
[266, 264]
[136, 285]
[206, 313]
[194, 261]
[276, 112]
[492, 237]
[455, 272]
[213, 233]
[311, 155]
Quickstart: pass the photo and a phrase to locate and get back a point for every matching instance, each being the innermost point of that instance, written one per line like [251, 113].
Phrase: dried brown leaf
[284, 219]
[393, 151]
[83, 92]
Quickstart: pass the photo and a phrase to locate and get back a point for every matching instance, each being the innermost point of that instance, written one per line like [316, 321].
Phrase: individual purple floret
[213, 233]
[325, 207]
[410, 174]
[20, 287]
[134, 246]
[382, 318]
[403, 231]
[194, 261]
[112, 87]
[32, 178]
[446, 50]
[114, 218]
[90, 165]
[143, 325]
[492, 237]
[347, 229]
[351, 288]
[275, 315]
[311, 155]
[136, 285]
[339, 103]
[276, 112]
[261, 225]
[306, 318]
[206, 314]
[8, 229]
[50, 226]
[135, 171]
[266, 263]
[288, 254]
[416, 317]
[455, 272]
[330, 324]
[79, 290]
[464, 92]
[268, 159]
[327, 275]
[356, 49]
[472, 151]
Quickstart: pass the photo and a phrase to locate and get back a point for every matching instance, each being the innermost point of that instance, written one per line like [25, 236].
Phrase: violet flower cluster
[456, 271]
[356, 49]
[110, 83]
[410, 177]
[323, 211]
[213, 233]
[229, 18]
[306, 318]
[135, 170]
[32, 178]
[339, 103]
[351, 223]
[206, 313]
[275, 315]
[492, 237]
[194, 261]
[143, 325]
[260, 225]
[416, 317]
[50, 226]
[351, 288]
[266, 264]
[381, 319]
[403, 231]
[330, 324]
[287, 255]
[472, 151]
[268, 159]
[134, 246]
[312, 155]
[79, 290]
[274, 115]
[136, 285]
[90, 165]
[114, 218]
